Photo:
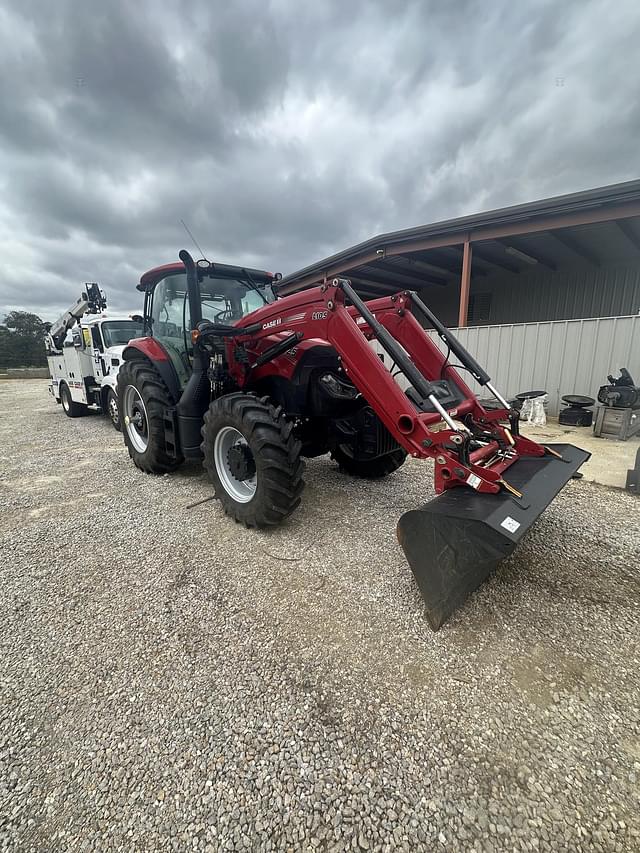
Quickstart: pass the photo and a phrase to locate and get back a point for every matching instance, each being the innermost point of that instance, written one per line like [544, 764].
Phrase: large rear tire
[253, 459]
[142, 399]
[69, 406]
[371, 469]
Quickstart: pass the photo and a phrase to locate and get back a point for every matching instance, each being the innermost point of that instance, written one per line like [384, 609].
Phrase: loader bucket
[454, 542]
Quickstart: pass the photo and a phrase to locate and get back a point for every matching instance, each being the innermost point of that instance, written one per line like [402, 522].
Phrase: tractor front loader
[250, 383]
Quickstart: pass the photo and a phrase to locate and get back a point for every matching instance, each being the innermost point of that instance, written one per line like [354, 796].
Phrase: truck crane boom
[91, 301]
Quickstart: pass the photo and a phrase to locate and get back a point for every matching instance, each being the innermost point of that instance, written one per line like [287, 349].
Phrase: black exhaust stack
[196, 396]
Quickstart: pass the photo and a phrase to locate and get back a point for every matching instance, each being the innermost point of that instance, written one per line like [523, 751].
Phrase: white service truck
[84, 352]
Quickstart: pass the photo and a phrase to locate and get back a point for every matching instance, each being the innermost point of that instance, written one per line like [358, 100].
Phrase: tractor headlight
[336, 387]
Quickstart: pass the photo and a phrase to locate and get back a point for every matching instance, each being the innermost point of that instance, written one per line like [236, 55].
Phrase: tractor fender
[153, 351]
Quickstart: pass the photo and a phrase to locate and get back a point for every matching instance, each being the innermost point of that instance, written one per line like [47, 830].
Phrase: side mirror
[275, 289]
[137, 318]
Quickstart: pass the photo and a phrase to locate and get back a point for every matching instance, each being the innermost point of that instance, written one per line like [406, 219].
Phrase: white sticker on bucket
[473, 481]
[510, 524]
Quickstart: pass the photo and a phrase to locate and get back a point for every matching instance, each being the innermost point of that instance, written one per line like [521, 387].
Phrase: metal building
[572, 256]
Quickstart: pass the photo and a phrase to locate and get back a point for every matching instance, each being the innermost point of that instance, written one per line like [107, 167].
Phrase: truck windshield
[119, 332]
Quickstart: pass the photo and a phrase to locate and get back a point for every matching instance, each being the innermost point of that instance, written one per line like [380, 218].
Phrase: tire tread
[157, 398]
[280, 475]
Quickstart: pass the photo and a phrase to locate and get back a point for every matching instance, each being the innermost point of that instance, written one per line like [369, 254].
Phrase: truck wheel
[71, 408]
[143, 398]
[252, 458]
[112, 409]
[369, 468]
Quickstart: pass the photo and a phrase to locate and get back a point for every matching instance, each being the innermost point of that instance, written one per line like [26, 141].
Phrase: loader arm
[470, 445]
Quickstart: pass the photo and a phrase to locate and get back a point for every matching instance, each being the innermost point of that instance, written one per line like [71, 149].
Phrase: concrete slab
[610, 460]
[26, 373]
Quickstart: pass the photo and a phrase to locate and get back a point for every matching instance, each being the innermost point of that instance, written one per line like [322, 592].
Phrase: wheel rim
[65, 399]
[135, 418]
[112, 405]
[229, 450]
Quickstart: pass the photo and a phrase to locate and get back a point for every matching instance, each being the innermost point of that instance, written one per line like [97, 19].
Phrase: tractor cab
[223, 294]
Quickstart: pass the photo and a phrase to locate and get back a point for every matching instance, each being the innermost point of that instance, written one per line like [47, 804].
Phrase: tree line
[22, 340]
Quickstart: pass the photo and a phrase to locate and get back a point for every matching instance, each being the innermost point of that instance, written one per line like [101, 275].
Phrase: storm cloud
[282, 131]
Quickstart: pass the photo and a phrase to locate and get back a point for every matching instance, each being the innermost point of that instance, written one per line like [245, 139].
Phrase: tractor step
[454, 542]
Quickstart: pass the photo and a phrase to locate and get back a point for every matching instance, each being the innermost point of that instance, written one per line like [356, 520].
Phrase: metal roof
[428, 254]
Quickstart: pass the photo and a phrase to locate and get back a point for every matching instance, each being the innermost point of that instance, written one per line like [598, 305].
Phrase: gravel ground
[171, 681]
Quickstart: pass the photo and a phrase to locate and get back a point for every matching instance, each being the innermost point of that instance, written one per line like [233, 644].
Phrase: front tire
[253, 459]
[70, 407]
[112, 410]
[143, 398]
[371, 469]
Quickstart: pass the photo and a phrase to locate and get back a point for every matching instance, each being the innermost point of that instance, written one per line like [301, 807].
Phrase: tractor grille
[385, 442]
[365, 435]
[374, 438]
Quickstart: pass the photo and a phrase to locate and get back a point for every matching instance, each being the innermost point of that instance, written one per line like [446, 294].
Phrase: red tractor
[251, 383]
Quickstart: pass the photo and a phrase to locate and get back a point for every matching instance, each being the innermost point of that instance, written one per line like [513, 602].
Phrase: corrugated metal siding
[561, 357]
[610, 291]
[567, 294]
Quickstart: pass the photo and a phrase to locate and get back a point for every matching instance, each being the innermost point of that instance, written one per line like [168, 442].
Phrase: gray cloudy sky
[283, 131]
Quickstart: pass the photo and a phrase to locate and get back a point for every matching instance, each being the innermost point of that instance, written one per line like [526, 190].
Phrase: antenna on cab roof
[195, 242]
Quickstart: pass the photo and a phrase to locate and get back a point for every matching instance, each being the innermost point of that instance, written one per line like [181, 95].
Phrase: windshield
[223, 300]
[118, 332]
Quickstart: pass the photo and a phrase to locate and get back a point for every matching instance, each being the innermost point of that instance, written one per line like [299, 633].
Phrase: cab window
[170, 317]
[227, 300]
[96, 338]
